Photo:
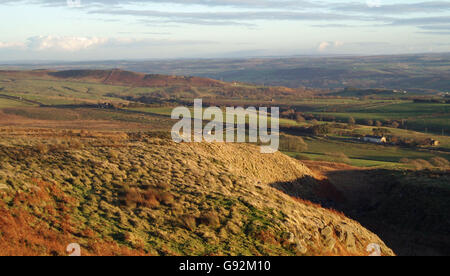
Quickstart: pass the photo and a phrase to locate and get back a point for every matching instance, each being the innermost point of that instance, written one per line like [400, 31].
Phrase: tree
[395, 124]
[292, 143]
[380, 131]
[320, 130]
[289, 113]
[394, 140]
[369, 122]
[299, 118]
[351, 121]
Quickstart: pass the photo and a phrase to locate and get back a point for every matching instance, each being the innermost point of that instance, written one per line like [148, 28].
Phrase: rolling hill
[131, 85]
[118, 77]
[126, 78]
[84, 158]
[422, 73]
[137, 194]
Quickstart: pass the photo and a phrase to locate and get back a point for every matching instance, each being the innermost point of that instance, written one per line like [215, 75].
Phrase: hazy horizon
[95, 30]
[69, 62]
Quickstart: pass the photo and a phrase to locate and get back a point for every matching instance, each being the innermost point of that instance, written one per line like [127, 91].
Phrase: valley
[95, 146]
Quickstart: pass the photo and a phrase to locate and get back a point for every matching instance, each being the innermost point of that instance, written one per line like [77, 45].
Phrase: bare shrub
[151, 199]
[420, 164]
[440, 162]
[59, 145]
[113, 154]
[166, 198]
[405, 160]
[75, 144]
[133, 198]
[189, 222]
[210, 219]
[163, 186]
[42, 148]
[338, 157]
[292, 143]
[267, 237]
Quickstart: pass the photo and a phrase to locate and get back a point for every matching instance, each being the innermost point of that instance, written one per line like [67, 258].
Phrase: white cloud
[89, 48]
[338, 44]
[374, 3]
[325, 45]
[64, 43]
[11, 45]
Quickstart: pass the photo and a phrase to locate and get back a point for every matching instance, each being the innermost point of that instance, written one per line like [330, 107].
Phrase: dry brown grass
[210, 219]
[42, 149]
[318, 206]
[338, 157]
[418, 164]
[203, 195]
[15, 121]
[23, 233]
[189, 222]
[440, 162]
[150, 198]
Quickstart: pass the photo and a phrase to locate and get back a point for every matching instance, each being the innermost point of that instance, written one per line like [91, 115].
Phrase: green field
[6, 103]
[362, 154]
[50, 92]
[167, 111]
[69, 100]
[421, 117]
[354, 162]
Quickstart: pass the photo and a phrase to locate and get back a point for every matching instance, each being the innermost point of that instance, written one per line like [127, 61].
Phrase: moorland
[91, 150]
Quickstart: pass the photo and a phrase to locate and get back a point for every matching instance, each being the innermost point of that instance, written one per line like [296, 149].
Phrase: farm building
[375, 139]
[432, 142]
[435, 143]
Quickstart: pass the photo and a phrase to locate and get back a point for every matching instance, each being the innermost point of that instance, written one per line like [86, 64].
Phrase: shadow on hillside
[407, 210]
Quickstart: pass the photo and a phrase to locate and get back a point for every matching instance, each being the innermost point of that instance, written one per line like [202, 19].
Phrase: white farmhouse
[375, 139]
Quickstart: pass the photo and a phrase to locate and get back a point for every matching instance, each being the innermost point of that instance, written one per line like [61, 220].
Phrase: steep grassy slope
[134, 194]
[408, 209]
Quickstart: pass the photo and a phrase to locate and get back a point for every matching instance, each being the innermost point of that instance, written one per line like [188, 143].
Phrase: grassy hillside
[90, 86]
[84, 157]
[135, 194]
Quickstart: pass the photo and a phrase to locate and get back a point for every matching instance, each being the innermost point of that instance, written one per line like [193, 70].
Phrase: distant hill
[162, 86]
[119, 77]
[419, 72]
[126, 78]
[355, 92]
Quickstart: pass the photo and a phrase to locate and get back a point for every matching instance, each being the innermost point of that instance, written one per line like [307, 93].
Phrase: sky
[79, 30]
